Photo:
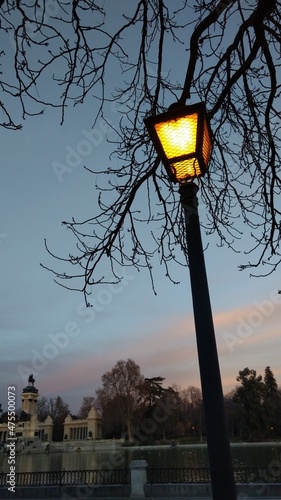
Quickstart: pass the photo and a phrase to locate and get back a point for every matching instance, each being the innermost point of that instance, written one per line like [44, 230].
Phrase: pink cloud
[167, 347]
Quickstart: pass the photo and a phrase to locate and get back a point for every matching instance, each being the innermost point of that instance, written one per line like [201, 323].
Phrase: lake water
[157, 456]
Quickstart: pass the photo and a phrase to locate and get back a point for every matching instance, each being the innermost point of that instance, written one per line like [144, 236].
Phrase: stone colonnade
[78, 432]
[80, 429]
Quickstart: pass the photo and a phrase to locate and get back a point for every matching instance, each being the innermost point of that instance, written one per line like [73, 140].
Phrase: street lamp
[183, 140]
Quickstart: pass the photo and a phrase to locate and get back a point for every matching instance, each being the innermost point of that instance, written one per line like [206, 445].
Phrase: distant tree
[4, 417]
[86, 405]
[271, 387]
[152, 389]
[167, 409]
[233, 423]
[272, 403]
[43, 409]
[249, 398]
[160, 407]
[121, 392]
[58, 410]
[113, 426]
[192, 412]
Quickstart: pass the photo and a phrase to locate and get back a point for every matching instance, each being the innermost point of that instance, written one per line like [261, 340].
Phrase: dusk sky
[46, 330]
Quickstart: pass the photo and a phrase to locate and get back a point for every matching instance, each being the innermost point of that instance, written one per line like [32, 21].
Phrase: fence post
[138, 478]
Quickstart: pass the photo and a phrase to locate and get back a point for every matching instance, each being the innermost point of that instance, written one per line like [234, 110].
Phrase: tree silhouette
[272, 403]
[192, 410]
[58, 410]
[87, 404]
[152, 390]
[43, 408]
[120, 392]
[249, 397]
[226, 53]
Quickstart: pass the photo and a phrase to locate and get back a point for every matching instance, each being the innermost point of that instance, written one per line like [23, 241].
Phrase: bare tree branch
[233, 64]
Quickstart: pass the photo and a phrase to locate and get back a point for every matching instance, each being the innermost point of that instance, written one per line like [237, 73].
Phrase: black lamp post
[183, 140]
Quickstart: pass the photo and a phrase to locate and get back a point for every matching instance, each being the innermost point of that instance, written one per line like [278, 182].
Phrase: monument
[28, 428]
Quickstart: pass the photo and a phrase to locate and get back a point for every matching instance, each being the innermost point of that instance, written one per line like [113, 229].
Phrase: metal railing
[197, 475]
[270, 474]
[69, 477]
[178, 475]
[191, 475]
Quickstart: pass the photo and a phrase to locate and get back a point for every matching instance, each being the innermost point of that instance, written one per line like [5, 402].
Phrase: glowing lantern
[182, 138]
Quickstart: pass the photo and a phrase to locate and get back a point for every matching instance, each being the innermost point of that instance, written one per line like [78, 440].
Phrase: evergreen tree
[152, 390]
[167, 413]
[272, 404]
[249, 398]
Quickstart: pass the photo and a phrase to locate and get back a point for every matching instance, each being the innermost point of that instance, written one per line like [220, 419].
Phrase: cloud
[163, 345]
[168, 350]
[166, 347]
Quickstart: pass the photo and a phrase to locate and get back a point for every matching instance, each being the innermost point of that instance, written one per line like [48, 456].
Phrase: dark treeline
[144, 411]
[147, 411]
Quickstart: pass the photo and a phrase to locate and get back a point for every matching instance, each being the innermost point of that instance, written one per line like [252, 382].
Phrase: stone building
[28, 427]
[90, 428]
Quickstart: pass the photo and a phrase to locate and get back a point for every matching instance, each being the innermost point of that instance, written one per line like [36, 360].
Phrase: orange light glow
[182, 137]
[178, 136]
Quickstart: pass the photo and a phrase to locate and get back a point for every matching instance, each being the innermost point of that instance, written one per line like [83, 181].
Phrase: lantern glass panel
[207, 143]
[186, 169]
[178, 136]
